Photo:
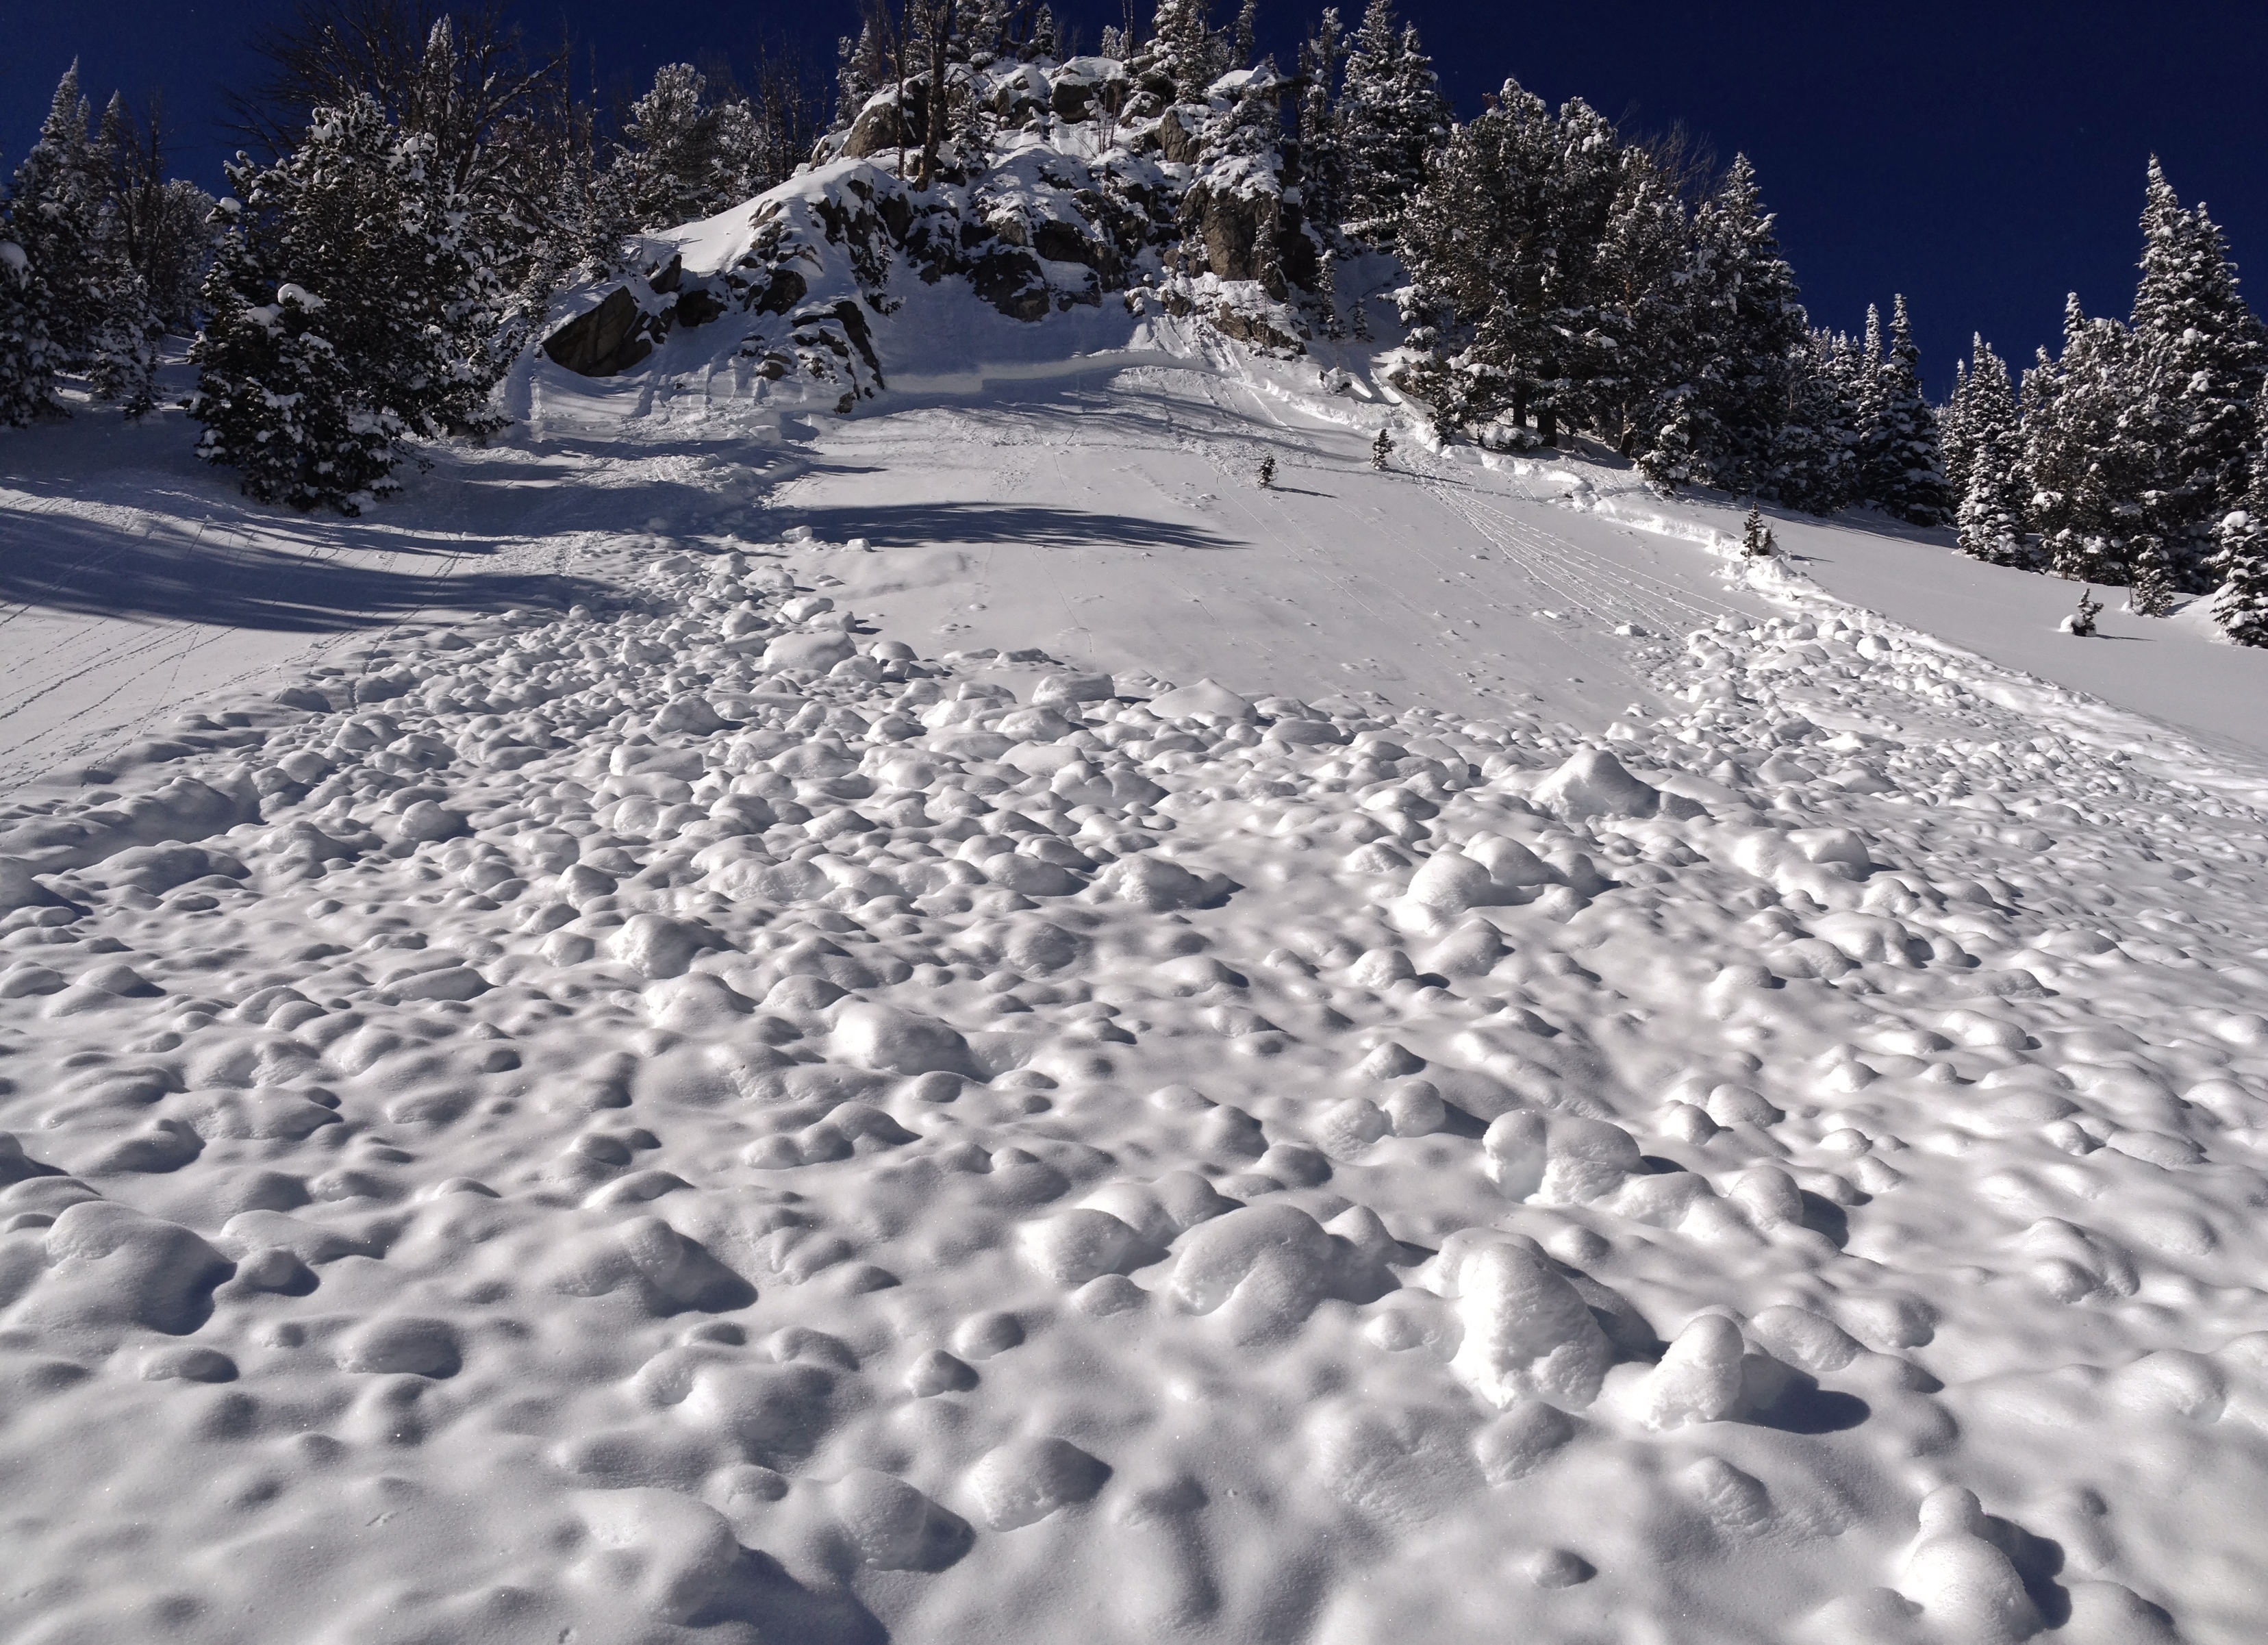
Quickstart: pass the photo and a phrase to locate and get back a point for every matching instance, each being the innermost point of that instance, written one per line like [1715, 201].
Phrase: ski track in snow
[741, 1111]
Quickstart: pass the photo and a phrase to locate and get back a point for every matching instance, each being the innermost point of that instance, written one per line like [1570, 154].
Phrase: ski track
[707, 1119]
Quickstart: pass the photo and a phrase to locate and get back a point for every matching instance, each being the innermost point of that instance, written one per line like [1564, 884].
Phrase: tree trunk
[939, 20]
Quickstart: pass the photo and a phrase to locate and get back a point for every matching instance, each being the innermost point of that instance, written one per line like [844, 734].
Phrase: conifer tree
[1990, 517]
[346, 313]
[2240, 561]
[96, 310]
[1183, 50]
[1391, 116]
[1634, 301]
[2241, 607]
[1740, 329]
[26, 357]
[1323, 144]
[2197, 361]
[1953, 432]
[669, 169]
[1870, 413]
[1908, 481]
[1814, 466]
[2082, 456]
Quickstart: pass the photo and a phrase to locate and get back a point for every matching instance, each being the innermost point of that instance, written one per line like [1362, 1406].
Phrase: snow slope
[1417, 1055]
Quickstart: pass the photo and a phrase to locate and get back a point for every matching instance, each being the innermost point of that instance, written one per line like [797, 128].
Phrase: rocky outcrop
[1108, 186]
[603, 341]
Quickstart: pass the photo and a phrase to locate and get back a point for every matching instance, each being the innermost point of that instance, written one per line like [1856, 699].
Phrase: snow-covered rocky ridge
[1103, 199]
[726, 1113]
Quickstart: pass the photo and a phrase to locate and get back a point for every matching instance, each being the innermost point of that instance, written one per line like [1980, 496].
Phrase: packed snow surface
[958, 1025]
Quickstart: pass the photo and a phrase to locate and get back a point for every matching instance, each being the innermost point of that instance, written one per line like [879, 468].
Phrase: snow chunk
[1267, 1266]
[1967, 1588]
[1699, 1379]
[656, 946]
[1208, 699]
[1528, 1334]
[894, 1041]
[819, 651]
[1024, 1481]
[1593, 784]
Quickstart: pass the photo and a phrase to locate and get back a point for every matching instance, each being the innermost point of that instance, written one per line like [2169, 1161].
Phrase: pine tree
[1813, 466]
[1871, 415]
[1183, 51]
[2240, 561]
[1981, 379]
[2087, 456]
[1740, 330]
[346, 313]
[1391, 116]
[1757, 540]
[96, 314]
[2198, 361]
[1634, 301]
[1953, 430]
[666, 170]
[54, 202]
[2241, 607]
[1990, 517]
[1908, 481]
[1323, 144]
[1381, 449]
[862, 68]
[26, 356]
[2150, 580]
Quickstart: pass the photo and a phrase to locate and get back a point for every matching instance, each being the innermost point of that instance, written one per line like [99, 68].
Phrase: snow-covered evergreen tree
[2240, 560]
[1740, 330]
[1635, 301]
[1184, 53]
[2198, 362]
[2241, 606]
[346, 314]
[862, 68]
[1953, 432]
[1908, 480]
[97, 315]
[1984, 391]
[1322, 143]
[26, 357]
[1391, 116]
[2082, 456]
[1991, 515]
[1503, 244]
[671, 167]
[1813, 462]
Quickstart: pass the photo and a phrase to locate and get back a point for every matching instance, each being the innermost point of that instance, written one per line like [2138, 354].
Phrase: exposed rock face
[608, 339]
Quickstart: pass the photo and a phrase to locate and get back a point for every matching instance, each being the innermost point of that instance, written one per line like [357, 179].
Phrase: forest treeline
[419, 186]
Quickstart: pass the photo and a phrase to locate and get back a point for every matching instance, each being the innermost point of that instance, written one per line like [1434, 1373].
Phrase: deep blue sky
[1982, 160]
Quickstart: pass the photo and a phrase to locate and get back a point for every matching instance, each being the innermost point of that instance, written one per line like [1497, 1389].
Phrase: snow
[1421, 1053]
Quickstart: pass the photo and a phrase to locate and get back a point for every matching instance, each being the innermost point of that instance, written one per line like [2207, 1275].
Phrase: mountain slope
[1435, 1055]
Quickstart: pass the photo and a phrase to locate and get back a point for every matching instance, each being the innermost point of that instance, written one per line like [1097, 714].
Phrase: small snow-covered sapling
[1756, 542]
[1381, 449]
[1267, 472]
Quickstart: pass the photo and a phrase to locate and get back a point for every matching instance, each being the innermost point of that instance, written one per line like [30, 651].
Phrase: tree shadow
[60, 561]
[901, 525]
